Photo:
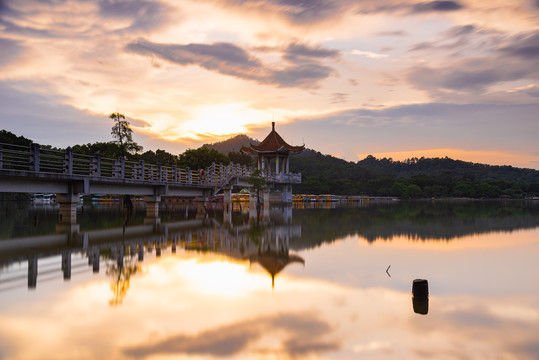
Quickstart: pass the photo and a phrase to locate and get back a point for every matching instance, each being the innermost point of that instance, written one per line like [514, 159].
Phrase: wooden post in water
[420, 296]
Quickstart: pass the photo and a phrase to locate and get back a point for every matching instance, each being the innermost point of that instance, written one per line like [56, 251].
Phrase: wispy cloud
[301, 335]
[369, 54]
[229, 59]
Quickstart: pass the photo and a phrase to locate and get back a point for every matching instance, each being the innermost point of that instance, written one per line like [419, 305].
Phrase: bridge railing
[36, 158]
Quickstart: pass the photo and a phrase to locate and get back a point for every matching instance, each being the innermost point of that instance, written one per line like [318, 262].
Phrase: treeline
[414, 178]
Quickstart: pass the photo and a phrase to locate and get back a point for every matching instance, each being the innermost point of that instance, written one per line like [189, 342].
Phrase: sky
[399, 79]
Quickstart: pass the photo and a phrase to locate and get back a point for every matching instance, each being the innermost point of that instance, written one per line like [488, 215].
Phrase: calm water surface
[285, 283]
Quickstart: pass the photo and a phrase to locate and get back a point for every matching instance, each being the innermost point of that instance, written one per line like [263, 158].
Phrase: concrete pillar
[32, 272]
[66, 264]
[266, 211]
[141, 252]
[228, 195]
[227, 214]
[152, 205]
[95, 261]
[68, 208]
[200, 205]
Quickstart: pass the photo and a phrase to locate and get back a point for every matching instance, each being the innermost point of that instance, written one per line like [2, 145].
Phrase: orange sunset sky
[348, 78]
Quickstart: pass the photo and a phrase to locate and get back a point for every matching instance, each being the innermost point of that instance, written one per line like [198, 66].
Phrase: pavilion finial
[273, 125]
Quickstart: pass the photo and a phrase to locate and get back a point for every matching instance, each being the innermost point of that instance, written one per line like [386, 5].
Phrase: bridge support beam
[68, 208]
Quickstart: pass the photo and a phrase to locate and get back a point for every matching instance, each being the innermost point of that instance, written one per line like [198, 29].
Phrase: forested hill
[233, 144]
[424, 177]
[450, 168]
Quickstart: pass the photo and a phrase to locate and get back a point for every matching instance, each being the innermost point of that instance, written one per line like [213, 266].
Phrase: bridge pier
[68, 208]
[287, 194]
[201, 207]
[152, 205]
[32, 272]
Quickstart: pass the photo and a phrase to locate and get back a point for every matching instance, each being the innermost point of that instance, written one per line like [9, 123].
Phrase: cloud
[303, 335]
[229, 59]
[338, 98]
[144, 15]
[297, 12]
[437, 6]
[369, 54]
[296, 52]
[466, 78]
[9, 49]
[45, 120]
[525, 46]
[392, 33]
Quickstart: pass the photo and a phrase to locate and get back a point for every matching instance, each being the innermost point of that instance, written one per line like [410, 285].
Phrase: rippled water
[313, 283]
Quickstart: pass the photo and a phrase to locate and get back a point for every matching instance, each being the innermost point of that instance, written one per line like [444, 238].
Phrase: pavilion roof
[273, 143]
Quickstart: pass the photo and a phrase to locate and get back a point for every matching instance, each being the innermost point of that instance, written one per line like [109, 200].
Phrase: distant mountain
[233, 144]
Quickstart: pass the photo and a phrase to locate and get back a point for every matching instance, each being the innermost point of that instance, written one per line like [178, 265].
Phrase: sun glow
[221, 120]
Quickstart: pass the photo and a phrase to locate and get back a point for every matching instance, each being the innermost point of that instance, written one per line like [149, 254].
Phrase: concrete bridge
[38, 169]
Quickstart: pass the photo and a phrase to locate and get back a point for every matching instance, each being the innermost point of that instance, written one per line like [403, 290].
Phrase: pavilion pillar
[287, 164]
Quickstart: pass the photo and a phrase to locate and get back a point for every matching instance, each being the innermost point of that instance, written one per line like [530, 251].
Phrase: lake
[302, 282]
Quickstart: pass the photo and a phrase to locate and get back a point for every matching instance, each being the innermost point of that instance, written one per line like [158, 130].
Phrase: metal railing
[38, 159]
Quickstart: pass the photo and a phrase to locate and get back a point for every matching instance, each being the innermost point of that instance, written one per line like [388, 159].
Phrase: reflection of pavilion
[275, 262]
[121, 249]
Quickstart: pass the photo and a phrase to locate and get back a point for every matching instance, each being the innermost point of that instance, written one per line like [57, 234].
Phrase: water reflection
[265, 241]
[194, 285]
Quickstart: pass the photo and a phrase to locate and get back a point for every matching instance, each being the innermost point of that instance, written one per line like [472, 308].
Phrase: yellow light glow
[222, 278]
[221, 119]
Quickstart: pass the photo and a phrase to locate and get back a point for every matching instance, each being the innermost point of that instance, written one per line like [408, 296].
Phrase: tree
[258, 181]
[123, 134]
[202, 158]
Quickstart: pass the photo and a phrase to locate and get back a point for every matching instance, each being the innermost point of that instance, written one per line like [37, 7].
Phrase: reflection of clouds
[471, 330]
[303, 335]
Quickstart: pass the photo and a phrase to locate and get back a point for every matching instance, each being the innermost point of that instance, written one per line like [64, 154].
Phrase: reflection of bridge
[35, 169]
[245, 242]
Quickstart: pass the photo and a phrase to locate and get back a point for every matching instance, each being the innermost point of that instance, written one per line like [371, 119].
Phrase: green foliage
[7, 137]
[413, 178]
[258, 182]
[109, 149]
[159, 157]
[241, 158]
[202, 158]
[123, 135]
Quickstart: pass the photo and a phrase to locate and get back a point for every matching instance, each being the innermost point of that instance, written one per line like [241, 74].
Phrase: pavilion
[273, 147]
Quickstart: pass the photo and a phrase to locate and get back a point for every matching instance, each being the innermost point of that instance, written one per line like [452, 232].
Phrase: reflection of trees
[420, 220]
[121, 276]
